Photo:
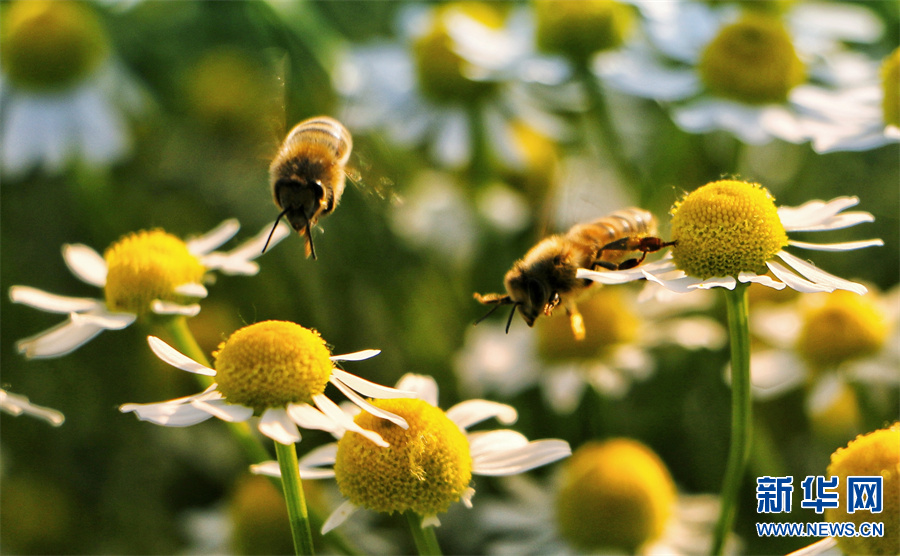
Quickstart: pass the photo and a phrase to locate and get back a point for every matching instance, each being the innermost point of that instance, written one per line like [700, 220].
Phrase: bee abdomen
[629, 222]
[324, 131]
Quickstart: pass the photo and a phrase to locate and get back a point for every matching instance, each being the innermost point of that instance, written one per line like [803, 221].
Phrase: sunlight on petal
[467, 413]
[177, 359]
[212, 239]
[50, 302]
[276, 424]
[86, 264]
[339, 516]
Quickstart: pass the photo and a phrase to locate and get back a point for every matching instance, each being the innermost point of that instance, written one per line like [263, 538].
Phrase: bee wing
[368, 179]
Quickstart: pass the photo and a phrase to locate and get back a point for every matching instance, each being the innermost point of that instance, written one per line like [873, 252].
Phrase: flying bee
[545, 277]
[308, 173]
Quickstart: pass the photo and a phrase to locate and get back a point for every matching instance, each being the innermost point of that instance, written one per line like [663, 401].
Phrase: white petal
[430, 521]
[106, 321]
[817, 548]
[223, 410]
[63, 338]
[425, 387]
[365, 405]
[484, 443]
[308, 417]
[844, 246]
[339, 516]
[819, 276]
[192, 290]
[519, 460]
[173, 413]
[334, 412]
[323, 455]
[52, 303]
[16, 404]
[276, 424]
[610, 276]
[727, 282]
[226, 264]
[470, 412]
[368, 388]
[820, 215]
[161, 307]
[239, 260]
[86, 264]
[681, 284]
[267, 468]
[795, 282]
[217, 236]
[177, 359]
[356, 355]
[745, 277]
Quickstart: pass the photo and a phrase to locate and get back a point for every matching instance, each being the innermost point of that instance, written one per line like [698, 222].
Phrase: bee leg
[576, 321]
[310, 250]
[643, 244]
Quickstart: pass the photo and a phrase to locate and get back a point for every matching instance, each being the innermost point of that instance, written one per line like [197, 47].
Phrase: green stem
[293, 495]
[426, 541]
[739, 452]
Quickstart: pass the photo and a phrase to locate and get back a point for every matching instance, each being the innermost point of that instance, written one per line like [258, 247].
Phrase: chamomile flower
[63, 94]
[620, 332]
[278, 371]
[429, 465]
[145, 274]
[16, 404]
[613, 496]
[730, 231]
[750, 72]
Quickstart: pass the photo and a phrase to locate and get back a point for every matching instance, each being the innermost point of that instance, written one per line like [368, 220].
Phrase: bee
[308, 173]
[545, 277]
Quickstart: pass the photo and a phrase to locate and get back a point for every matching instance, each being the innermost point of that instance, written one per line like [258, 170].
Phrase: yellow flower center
[426, 468]
[615, 495]
[890, 79]
[442, 73]
[271, 364]
[145, 266]
[608, 322]
[724, 228]
[752, 61]
[50, 45]
[874, 454]
[843, 327]
[579, 28]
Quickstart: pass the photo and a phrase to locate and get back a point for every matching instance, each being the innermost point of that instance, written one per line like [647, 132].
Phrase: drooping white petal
[610, 276]
[173, 413]
[815, 216]
[192, 290]
[106, 321]
[425, 387]
[484, 443]
[161, 307]
[323, 455]
[334, 412]
[85, 263]
[430, 521]
[223, 410]
[267, 468]
[339, 516]
[177, 359]
[240, 260]
[59, 340]
[356, 355]
[467, 413]
[276, 424]
[212, 239]
[16, 404]
[727, 282]
[365, 405]
[793, 281]
[50, 302]
[309, 417]
[467, 497]
[680, 284]
[819, 276]
[745, 277]
[368, 388]
[520, 459]
[844, 246]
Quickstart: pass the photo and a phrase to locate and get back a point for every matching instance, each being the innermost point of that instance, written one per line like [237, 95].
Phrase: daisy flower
[278, 371]
[63, 94]
[730, 231]
[613, 496]
[429, 465]
[620, 332]
[746, 70]
[16, 404]
[145, 274]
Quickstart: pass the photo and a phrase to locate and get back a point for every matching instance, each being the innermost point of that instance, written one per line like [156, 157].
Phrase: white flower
[87, 317]
[493, 453]
[16, 404]
[812, 216]
[278, 423]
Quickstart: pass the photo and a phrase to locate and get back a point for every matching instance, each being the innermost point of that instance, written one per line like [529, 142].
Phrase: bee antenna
[277, 220]
[312, 250]
[511, 313]
[486, 315]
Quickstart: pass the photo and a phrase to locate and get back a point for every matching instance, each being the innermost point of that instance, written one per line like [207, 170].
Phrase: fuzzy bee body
[545, 277]
[308, 173]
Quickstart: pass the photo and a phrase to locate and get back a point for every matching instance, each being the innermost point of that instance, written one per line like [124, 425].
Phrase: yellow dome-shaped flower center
[608, 322]
[579, 28]
[50, 45]
[145, 266]
[725, 228]
[271, 364]
[890, 80]
[444, 76]
[752, 61]
[426, 468]
[844, 327]
[615, 495]
[874, 454]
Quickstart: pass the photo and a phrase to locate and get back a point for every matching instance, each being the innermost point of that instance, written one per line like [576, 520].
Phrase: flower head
[578, 29]
[730, 231]
[427, 466]
[277, 370]
[15, 404]
[148, 274]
